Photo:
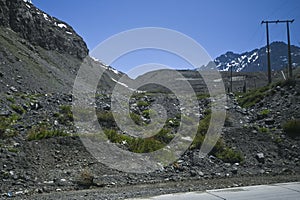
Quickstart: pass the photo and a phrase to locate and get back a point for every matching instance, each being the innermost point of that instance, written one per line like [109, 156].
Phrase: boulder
[260, 157]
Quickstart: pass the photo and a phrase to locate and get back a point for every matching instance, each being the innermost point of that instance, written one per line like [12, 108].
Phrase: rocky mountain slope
[256, 60]
[39, 53]
[40, 29]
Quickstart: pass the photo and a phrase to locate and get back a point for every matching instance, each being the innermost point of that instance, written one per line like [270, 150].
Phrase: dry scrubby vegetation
[44, 130]
[253, 97]
[85, 179]
[164, 136]
[137, 145]
[249, 99]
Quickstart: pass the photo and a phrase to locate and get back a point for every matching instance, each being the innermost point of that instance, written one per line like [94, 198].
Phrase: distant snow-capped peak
[256, 60]
[237, 62]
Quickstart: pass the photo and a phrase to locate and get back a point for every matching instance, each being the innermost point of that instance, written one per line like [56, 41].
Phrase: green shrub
[18, 109]
[202, 96]
[6, 123]
[11, 99]
[105, 116]
[136, 118]
[42, 132]
[229, 155]
[220, 150]
[147, 113]
[219, 147]
[263, 130]
[56, 114]
[13, 150]
[146, 145]
[66, 109]
[173, 122]
[142, 104]
[164, 136]
[225, 153]
[278, 139]
[137, 145]
[197, 142]
[114, 137]
[202, 130]
[254, 96]
[292, 128]
[264, 112]
[66, 114]
[250, 99]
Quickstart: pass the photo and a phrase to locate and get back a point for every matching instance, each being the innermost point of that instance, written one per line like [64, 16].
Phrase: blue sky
[218, 25]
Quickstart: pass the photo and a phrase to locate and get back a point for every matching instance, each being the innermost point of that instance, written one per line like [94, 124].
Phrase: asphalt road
[286, 191]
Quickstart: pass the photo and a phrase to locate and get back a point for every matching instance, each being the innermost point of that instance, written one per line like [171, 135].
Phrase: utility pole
[289, 46]
[268, 51]
[231, 88]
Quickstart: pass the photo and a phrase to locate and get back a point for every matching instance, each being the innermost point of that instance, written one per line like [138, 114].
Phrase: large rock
[260, 157]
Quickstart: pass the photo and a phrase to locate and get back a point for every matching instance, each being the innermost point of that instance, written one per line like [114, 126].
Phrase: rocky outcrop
[41, 29]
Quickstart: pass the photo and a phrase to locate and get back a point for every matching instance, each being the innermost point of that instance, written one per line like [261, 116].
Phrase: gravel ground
[148, 190]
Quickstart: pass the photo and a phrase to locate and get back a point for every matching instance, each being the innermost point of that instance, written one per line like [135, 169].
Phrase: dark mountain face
[39, 53]
[256, 60]
[41, 29]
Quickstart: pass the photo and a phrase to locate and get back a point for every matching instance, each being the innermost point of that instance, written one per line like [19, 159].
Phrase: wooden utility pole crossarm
[278, 21]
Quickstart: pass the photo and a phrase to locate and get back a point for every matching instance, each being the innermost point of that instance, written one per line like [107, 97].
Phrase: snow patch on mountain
[106, 66]
[256, 60]
[114, 70]
[120, 83]
[62, 25]
[28, 1]
[46, 17]
[238, 63]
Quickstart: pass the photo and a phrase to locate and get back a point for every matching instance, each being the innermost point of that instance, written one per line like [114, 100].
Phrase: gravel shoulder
[148, 190]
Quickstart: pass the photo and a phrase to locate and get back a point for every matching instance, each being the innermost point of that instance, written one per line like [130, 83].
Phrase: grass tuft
[6, 126]
[18, 109]
[43, 132]
[292, 128]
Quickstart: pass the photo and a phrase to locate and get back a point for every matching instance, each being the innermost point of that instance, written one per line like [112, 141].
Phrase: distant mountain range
[256, 60]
